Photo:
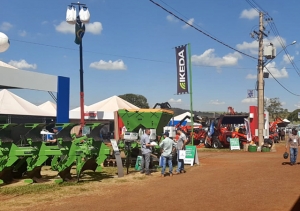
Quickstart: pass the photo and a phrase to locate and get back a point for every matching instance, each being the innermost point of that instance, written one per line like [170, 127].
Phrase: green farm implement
[23, 151]
[135, 121]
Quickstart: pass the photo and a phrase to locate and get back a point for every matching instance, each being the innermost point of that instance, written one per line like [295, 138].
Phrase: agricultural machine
[199, 133]
[23, 151]
[223, 128]
[135, 121]
[273, 134]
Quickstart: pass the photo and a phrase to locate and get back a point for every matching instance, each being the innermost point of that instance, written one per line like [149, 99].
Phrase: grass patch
[28, 189]
[122, 180]
[139, 178]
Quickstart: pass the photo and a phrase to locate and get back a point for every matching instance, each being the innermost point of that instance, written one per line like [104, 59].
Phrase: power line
[206, 34]
[281, 84]
[73, 49]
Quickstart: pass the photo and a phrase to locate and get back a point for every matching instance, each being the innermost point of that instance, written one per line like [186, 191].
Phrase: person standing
[146, 152]
[167, 145]
[293, 142]
[182, 141]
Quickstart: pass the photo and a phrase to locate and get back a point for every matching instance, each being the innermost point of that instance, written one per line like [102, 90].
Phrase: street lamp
[79, 21]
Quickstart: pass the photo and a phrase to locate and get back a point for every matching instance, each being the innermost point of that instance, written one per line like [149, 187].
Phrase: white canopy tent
[12, 104]
[48, 107]
[180, 117]
[104, 109]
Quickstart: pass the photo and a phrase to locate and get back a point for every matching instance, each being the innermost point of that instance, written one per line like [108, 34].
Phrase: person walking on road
[146, 152]
[167, 145]
[182, 141]
[293, 142]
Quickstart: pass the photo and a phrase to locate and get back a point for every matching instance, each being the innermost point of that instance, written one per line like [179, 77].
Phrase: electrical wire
[73, 49]
[277, 35]
[281, 84]
[201, 31]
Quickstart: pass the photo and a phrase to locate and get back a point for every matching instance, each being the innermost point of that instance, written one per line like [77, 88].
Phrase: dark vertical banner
[181, 62]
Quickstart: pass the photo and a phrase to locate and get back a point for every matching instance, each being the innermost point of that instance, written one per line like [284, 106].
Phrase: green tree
[137, 100]
[274, 107]
[293, 117]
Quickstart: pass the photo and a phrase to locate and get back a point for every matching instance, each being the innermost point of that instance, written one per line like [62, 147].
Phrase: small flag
[79, 32]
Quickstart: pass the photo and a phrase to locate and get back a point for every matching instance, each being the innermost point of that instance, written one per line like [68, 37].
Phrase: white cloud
[190, 21]
[250, 76]
[110, 65]
[22, 64]
[283, 103]
[93, 28]
[22, 33]
[171, 18]
[175, 101]
[249, 100]
[65, 28]
[5, 26]
[287, 58]
[297, 52]
[44, 22]
[297, 105]
[249, 14]
[210, 59]
[276, 72]
[252, 47]
[216, 102]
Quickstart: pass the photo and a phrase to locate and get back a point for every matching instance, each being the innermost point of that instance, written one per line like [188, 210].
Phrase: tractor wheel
[206, 144]
[216, 144]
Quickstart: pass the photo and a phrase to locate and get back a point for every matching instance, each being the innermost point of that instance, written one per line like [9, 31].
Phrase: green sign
[190, 152]
[235, 143]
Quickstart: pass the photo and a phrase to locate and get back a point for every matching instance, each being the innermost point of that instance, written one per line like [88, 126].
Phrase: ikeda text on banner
[181, 62]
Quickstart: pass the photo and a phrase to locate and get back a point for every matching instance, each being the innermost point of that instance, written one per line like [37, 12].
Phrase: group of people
[168, 147]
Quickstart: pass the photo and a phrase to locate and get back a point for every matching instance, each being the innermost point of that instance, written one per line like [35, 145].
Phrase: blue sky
[129, 48]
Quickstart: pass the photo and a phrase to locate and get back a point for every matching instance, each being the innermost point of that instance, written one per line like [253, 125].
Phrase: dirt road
[233, 180]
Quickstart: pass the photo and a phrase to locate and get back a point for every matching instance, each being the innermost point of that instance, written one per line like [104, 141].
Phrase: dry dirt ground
[224, 180]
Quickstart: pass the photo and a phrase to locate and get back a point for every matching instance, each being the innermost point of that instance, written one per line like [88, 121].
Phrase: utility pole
[260, 79]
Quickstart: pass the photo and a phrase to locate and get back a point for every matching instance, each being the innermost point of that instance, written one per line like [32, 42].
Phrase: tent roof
[181, 116]
[3, 64]
[113, 103]
[15, 105]
[49, 107]
[78, 108]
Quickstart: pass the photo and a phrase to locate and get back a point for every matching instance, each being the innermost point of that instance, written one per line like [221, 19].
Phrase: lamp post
[79, 21]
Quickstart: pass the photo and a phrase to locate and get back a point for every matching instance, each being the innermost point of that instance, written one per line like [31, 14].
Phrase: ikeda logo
[182, 85]
[182, 69]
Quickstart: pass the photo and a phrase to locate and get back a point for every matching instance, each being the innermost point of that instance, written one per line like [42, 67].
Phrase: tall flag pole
[191, 92]
[182, 80]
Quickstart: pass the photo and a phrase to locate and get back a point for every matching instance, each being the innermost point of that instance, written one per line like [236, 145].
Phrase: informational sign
[235, 144]
[191, 155]
[298, 115]
[250, 93]
[117, 154]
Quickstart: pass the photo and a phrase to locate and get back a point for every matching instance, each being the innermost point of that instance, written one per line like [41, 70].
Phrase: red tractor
[199, 134]
[222, 130]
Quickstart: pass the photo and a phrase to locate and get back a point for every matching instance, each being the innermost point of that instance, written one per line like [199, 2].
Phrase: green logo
[182, 85]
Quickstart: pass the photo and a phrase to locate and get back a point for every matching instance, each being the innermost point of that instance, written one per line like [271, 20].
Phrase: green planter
[252, 148]
[265, 149]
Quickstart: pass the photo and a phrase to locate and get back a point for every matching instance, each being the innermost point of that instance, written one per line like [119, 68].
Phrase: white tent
[104, 109]
[48, 107]
[15, 105]
[180, 117]
[75, 113]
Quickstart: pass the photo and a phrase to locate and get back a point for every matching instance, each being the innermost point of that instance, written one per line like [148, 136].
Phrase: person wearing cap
[293, 142]
[167, 145]
[181, 142]
[51, 139]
